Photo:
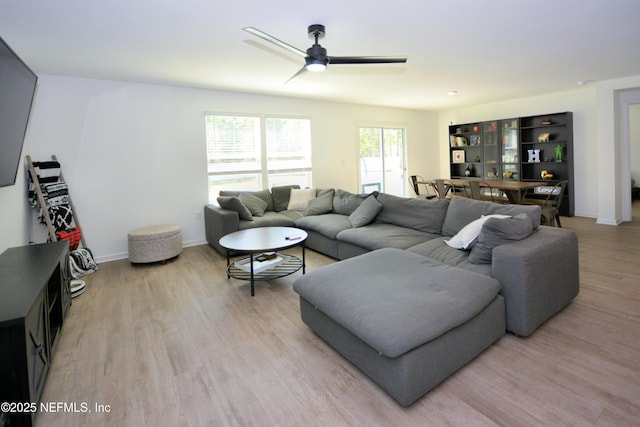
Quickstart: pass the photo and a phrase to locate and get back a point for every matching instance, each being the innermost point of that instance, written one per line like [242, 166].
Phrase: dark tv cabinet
[34, 298]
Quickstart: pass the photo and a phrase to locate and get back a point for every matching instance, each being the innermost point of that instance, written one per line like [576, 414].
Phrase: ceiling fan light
[316, 66]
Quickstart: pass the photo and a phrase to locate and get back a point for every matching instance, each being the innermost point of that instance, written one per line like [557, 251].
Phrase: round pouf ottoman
[155, 243]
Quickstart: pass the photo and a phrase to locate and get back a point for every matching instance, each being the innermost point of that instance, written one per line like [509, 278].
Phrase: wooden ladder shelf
[43, 203]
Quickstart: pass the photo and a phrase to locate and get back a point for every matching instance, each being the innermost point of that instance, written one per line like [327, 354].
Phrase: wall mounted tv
[17, 88]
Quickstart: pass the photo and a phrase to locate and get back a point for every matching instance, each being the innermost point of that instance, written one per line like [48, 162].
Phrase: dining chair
[442, 187]
[414, 180]
[477, 190]
[551, 203]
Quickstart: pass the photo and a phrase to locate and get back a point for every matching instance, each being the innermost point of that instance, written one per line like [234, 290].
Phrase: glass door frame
[382, 184]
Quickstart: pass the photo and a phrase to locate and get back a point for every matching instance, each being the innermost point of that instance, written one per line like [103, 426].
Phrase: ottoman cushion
[395, 300]
[154, 232]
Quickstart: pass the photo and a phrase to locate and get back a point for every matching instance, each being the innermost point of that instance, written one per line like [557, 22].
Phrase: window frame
[264, 174]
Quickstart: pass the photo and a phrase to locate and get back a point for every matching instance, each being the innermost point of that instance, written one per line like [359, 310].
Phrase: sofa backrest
[417, 213]
[463, 210]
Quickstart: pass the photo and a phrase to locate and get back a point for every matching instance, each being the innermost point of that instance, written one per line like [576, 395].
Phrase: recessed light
[583, 82]
[452, 92]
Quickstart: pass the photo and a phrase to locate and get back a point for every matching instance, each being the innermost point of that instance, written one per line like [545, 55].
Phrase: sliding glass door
[382, 163]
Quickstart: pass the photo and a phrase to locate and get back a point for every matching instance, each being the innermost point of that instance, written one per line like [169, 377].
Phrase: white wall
[581, 102]
[134, 154]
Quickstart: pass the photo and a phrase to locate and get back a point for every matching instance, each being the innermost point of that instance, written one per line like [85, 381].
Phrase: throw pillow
[469, 233]
[280, 195]
[234, 204]
[255, 204]
[299, 199]
[322, 204]
[366, 212]
[344, 202]
[261, 194]
[496, 232]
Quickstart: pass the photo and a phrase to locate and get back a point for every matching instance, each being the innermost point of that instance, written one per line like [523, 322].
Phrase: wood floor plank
[180, 344]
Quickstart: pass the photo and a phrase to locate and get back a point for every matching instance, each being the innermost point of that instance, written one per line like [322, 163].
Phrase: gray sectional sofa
[407, 305]
[538, 275]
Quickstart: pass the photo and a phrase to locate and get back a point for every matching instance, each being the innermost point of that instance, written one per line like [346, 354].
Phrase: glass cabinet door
[510, 151]
[491, 150]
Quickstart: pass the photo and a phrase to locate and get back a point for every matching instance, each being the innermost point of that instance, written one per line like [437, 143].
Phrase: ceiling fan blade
[297, 75]
[367, 59]
[271, 39]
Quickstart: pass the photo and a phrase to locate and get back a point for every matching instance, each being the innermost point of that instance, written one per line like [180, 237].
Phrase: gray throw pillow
[322, 204]
[281, 195]
[496, 232]
[366, 212]
[234, 204]
[255, 204]
[344, 202]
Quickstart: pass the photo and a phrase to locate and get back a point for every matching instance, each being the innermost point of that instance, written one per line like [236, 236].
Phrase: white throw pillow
[299, 199]
[469, 233]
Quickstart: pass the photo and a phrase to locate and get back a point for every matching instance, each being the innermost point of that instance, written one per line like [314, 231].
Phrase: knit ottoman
[406, 321]
[154, 243]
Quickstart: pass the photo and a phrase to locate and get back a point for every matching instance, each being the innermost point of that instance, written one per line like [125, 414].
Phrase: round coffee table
[256, 241]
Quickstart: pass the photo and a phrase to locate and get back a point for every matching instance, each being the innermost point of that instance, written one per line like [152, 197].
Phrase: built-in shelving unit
[518, 149]
[547, 145]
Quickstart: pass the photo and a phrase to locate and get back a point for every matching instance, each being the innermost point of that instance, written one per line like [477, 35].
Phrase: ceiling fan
[316, 58]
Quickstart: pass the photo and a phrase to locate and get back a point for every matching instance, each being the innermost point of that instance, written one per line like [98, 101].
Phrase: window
[255, 152]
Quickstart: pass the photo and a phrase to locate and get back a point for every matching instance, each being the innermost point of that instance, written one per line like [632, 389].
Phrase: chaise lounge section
[406, 332]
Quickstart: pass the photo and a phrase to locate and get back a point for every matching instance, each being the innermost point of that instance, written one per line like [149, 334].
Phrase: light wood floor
[180, 344]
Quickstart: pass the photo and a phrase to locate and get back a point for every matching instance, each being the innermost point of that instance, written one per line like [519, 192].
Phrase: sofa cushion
[329, 225]
[280, 195]
[496, 232]
[366, 212]
[419, 214]
[293, 215]
[299, 198]
[395, 316]
[255, 204]
[323, 203]
[377, 236]
[466, 237]
[463, 210]
[437, 250]
[345, 203]
[233, 203]
[262, 194]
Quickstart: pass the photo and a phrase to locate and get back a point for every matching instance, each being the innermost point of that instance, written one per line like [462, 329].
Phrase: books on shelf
[259, 266]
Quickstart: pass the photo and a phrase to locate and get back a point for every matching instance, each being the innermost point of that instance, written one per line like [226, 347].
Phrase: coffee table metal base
[290, 266]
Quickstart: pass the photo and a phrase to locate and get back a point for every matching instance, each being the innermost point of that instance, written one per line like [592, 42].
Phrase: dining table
[514, 190]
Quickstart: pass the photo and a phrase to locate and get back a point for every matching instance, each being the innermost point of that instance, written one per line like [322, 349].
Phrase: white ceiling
[487, 50]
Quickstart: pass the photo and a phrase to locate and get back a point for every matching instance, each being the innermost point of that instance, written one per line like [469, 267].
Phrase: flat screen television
[17, 88]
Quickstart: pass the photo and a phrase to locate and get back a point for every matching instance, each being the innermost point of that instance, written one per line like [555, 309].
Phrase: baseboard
[124, 255]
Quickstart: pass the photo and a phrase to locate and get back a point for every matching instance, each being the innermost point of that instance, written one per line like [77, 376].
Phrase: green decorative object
[558, 153]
